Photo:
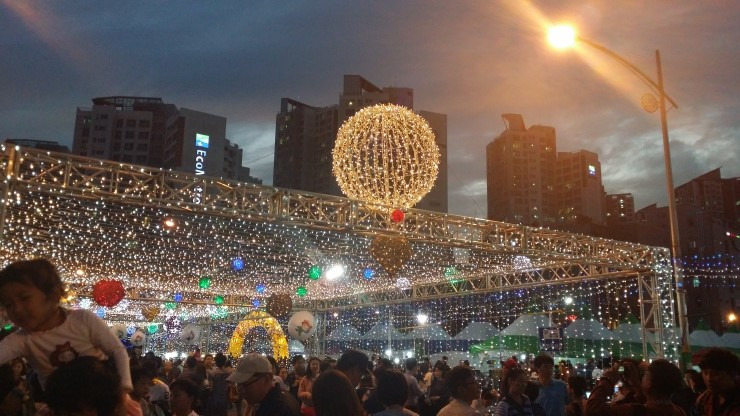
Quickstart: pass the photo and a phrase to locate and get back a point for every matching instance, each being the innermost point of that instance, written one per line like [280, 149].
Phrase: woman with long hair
[333, 395]
[306, 385]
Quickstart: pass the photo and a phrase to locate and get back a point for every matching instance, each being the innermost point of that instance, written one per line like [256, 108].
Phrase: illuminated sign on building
[592, 170]
[201, 151]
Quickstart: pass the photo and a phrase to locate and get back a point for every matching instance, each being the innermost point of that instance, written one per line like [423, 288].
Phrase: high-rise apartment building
[520, 167]
[579, 192]
[620, 209]
[147, 131]
[530, 183]
[305, 136]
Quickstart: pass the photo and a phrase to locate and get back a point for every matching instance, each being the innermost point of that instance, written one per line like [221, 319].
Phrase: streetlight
[563, 36]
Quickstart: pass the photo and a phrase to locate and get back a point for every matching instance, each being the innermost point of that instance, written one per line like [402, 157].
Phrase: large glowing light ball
[386, 154]
[302, 325]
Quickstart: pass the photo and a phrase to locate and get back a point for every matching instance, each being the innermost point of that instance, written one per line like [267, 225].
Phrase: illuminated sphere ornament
[177, 297]
[190, 334]
[260, 288]
[237, 264]
[108, 292]
[301, 291]
[152, 328]
[314, 273]
[256, 303]
[397, 215]
[170, 305]
[386, 154]
[138, 339]
[368, 273]
[279, 305]
[302, 325]
[218, 300]
[204, 282]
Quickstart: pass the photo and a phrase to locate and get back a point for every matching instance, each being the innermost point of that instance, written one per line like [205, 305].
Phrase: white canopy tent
[344, 333]
[430, 332]
[628, 333]
[296, 347]
[381, 331]
[477, 331]
[587, 329]
[526, 325]
[731, 340]
[705, 338]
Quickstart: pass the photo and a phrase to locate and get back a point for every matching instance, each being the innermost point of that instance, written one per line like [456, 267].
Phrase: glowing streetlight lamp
[731, 317]
[564, 36]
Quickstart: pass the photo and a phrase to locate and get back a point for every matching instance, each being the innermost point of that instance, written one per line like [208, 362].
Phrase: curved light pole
[565, 36]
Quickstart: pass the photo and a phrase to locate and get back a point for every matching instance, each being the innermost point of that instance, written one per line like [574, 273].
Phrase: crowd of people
[60, 362]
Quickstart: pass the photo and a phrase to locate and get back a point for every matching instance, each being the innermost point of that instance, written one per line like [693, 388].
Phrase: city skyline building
[520, 173]
[305, 137]
[147, 131]
[579, 191]
[620, 208]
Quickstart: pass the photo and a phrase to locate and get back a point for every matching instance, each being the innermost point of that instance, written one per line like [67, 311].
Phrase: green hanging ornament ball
[301, 291]
[314, 273]
[204, 282]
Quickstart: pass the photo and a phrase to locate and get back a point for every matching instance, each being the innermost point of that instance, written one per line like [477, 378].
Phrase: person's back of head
[190, 362]
[411, 364]
[334, 395]
[458, 378]
[83, 385]
[577, 385]
[392, 389]
[220, 359]
[665, 379]
[385, 363]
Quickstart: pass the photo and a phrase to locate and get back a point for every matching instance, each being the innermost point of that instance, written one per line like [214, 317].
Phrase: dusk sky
[472, 60]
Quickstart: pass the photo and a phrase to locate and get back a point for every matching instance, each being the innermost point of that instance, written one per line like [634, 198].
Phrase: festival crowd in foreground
[63, 362]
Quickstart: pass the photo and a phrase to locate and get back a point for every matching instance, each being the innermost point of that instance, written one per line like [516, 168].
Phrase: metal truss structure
[107, 202]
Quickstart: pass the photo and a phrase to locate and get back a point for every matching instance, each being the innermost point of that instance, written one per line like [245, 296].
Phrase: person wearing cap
[253, 377]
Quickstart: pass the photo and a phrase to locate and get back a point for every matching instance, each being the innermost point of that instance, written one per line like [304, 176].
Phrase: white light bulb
[335, 272]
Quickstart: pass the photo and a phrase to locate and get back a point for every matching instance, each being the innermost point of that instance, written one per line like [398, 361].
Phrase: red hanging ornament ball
[397, 216]
[108, 293]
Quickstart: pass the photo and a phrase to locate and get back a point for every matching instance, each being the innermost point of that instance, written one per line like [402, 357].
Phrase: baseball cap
[248, 366]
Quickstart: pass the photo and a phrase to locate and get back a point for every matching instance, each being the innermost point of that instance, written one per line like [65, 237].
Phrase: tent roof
[527, 325]
[380, 332]
[477, 331]
[344, 333]
[732, 340]
[587, 329]
[705, 338]
[432, 332]
[628, 332]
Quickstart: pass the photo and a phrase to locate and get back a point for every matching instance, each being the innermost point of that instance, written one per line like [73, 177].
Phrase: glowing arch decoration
[271, 325]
